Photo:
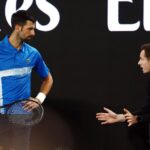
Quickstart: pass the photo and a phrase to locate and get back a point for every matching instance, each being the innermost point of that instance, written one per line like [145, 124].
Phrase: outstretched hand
[109, 117]
[130, 118]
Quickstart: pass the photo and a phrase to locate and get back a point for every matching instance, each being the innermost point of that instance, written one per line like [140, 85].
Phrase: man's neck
[15, 41]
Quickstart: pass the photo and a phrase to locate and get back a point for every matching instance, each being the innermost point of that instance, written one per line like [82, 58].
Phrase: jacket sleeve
[144, 113]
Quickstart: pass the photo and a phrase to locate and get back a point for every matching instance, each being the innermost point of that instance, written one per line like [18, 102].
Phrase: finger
[129, 121]
[128, 117]
[130, 124]
[126, 111]
[29, 106]
[108, 110]
[99, 117]
[102, 119]
[99, 114]
[32, 103]
[104, 122]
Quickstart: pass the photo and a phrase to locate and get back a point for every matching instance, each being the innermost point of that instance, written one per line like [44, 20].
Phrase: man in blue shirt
[17, 59]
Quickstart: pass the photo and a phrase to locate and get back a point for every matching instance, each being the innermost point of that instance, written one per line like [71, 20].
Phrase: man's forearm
[45, 88]
[46, 85]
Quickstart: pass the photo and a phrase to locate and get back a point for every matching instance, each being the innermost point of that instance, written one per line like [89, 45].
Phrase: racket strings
[17, 115]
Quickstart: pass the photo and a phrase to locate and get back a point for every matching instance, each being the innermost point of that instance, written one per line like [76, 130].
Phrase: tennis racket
[19, 116]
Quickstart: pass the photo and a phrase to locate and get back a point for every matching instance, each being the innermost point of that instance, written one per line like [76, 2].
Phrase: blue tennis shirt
[15, 70]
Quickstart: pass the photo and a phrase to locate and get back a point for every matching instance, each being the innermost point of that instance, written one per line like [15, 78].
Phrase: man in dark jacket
[138, 121]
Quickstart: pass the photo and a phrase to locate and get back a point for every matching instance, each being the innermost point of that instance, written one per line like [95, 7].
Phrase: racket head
[18, 116]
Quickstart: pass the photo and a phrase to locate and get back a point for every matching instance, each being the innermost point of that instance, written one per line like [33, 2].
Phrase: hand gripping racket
[18, 116]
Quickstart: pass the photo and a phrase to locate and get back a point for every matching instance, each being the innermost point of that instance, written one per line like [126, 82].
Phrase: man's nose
[33, 32]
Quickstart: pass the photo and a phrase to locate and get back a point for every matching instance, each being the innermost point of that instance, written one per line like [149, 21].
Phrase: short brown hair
[146, 48]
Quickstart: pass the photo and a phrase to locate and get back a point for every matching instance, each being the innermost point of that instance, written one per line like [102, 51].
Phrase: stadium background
[92, 67]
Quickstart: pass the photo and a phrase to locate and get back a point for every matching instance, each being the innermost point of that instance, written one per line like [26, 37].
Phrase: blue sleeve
[40, 67]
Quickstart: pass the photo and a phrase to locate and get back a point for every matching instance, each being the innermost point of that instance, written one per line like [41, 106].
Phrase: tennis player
[17, 59]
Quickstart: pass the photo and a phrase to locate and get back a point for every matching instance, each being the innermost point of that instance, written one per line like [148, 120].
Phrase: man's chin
[145, 72]
[28, 39]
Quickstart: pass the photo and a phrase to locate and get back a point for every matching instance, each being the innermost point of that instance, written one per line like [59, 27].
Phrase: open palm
[109, 117]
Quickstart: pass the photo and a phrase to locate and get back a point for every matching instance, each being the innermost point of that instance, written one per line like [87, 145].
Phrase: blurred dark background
[92, 67]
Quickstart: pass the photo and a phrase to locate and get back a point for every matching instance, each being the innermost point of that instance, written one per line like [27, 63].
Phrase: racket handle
[41, 97]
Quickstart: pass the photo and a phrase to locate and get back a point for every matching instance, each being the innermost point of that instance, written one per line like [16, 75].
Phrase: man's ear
[17, 27]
